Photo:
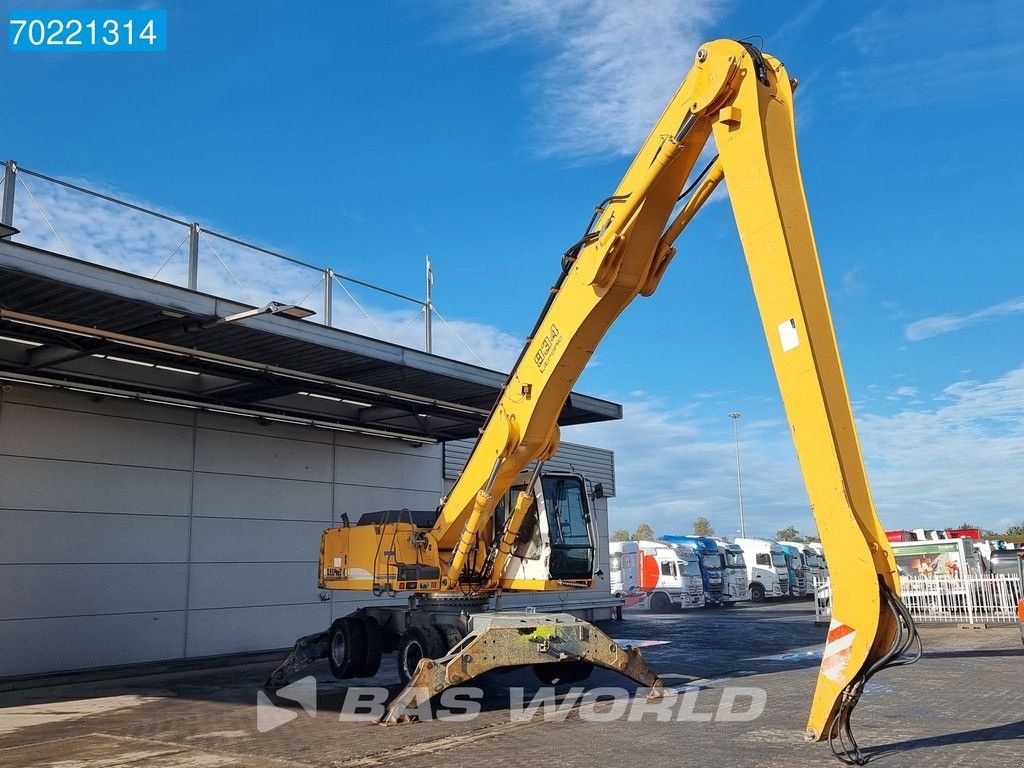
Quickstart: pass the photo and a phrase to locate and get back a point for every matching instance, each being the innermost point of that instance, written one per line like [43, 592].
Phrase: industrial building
[168, 460]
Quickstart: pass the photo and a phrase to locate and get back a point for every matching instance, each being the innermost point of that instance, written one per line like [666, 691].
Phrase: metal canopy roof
[93, 328]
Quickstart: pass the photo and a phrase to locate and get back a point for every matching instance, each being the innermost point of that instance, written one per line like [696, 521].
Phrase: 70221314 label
[87, 30]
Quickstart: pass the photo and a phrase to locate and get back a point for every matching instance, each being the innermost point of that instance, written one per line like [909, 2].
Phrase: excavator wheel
[346, 647]
[451, 635]
[418, 643]
[374, 647]
[563, 672]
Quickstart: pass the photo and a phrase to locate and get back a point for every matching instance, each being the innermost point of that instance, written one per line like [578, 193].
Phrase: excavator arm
[744, 100]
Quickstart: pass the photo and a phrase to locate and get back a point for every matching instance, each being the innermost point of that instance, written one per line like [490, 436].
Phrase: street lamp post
[735, 416]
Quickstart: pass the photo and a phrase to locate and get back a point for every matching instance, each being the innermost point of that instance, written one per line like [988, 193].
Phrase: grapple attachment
[520, 638]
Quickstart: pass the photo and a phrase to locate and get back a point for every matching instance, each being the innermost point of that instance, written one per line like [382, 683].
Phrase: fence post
[428, 334]
[10, 179]
[193, 256]
[969, 599]
[328, 295]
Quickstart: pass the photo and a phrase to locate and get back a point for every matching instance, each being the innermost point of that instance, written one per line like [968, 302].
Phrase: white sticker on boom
[337, 562]
[787, 334]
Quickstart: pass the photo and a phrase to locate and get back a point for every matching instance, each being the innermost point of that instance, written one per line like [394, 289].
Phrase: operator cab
[556, 541]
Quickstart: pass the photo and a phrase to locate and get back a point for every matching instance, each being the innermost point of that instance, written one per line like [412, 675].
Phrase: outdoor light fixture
[272, 308]
[7, 231]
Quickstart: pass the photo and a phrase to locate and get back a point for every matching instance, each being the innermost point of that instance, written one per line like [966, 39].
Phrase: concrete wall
[132, 532]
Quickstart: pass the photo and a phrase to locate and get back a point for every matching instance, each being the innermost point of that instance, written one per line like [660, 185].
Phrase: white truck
[818, 570]
[815, 546]
[812, 569]
[670, 576]
[823, 591]
[624, 564]
[766, 568]
[735, 581]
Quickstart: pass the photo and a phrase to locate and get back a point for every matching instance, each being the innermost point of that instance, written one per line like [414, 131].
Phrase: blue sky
[363, 136]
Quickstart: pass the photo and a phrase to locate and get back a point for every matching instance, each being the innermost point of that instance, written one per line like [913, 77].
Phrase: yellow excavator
[506, 526]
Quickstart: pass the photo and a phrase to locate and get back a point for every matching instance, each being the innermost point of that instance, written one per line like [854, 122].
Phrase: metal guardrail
[89, 225]
[989, 599]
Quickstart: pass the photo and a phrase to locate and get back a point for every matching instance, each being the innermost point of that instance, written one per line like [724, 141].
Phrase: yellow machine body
[744, 100]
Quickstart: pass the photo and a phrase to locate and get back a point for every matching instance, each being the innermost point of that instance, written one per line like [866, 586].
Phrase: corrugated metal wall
[132, 532]
[595, 464]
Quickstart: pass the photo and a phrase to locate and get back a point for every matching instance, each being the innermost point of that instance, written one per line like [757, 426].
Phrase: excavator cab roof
[419, 517]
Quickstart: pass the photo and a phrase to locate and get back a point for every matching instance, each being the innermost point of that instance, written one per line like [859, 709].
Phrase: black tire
[756, 593]
[417, 643]
[346, 647]
[451, 637]
[374, 647]
[660, 603]
[563, 672]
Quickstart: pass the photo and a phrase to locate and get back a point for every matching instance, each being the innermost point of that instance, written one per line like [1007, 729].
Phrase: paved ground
[961, 705]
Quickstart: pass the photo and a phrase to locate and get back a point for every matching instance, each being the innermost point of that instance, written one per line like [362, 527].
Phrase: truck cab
[670, 576]
[735, 584]
[815, 570]
[767, 570]
[710, 560]
[624, 564]
[799, 564]
[815, 546]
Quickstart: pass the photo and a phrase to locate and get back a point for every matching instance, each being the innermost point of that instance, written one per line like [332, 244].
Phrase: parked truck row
[681, 571]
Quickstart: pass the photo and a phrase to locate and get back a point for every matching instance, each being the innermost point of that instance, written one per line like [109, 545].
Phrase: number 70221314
[87, 30]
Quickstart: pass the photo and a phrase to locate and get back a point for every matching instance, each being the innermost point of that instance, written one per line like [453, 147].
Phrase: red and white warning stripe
[838, 648]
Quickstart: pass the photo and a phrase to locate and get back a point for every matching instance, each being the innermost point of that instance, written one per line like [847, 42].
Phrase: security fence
[990, 599]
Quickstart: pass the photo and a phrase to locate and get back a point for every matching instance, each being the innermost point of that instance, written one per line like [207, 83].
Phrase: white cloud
[673, 466]
[483, 344]
[947, 323]
[930, 464]
[853, 283]
[945, 56]
[790, 31]
[608, 68]
[959, 457]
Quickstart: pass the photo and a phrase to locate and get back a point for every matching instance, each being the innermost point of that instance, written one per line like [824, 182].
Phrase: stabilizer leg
[306, 650]
[512, 638]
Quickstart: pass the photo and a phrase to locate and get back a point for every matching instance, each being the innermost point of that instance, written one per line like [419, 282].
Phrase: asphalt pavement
[743, 679]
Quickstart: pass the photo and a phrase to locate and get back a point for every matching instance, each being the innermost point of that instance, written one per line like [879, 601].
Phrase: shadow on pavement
[1010, 731]
[976, 653]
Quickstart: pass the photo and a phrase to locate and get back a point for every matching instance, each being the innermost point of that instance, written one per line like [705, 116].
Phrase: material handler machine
[506, 526]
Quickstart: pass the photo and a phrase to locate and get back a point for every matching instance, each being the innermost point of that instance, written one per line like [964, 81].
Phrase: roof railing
[58, 214]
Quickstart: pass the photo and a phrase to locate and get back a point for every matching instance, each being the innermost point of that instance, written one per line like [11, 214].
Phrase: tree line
[701, 527]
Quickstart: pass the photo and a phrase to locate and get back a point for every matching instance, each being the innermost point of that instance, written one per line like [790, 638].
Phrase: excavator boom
[744, 100]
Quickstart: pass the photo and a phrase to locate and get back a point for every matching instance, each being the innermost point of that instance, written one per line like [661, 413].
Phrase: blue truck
[710, 564]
